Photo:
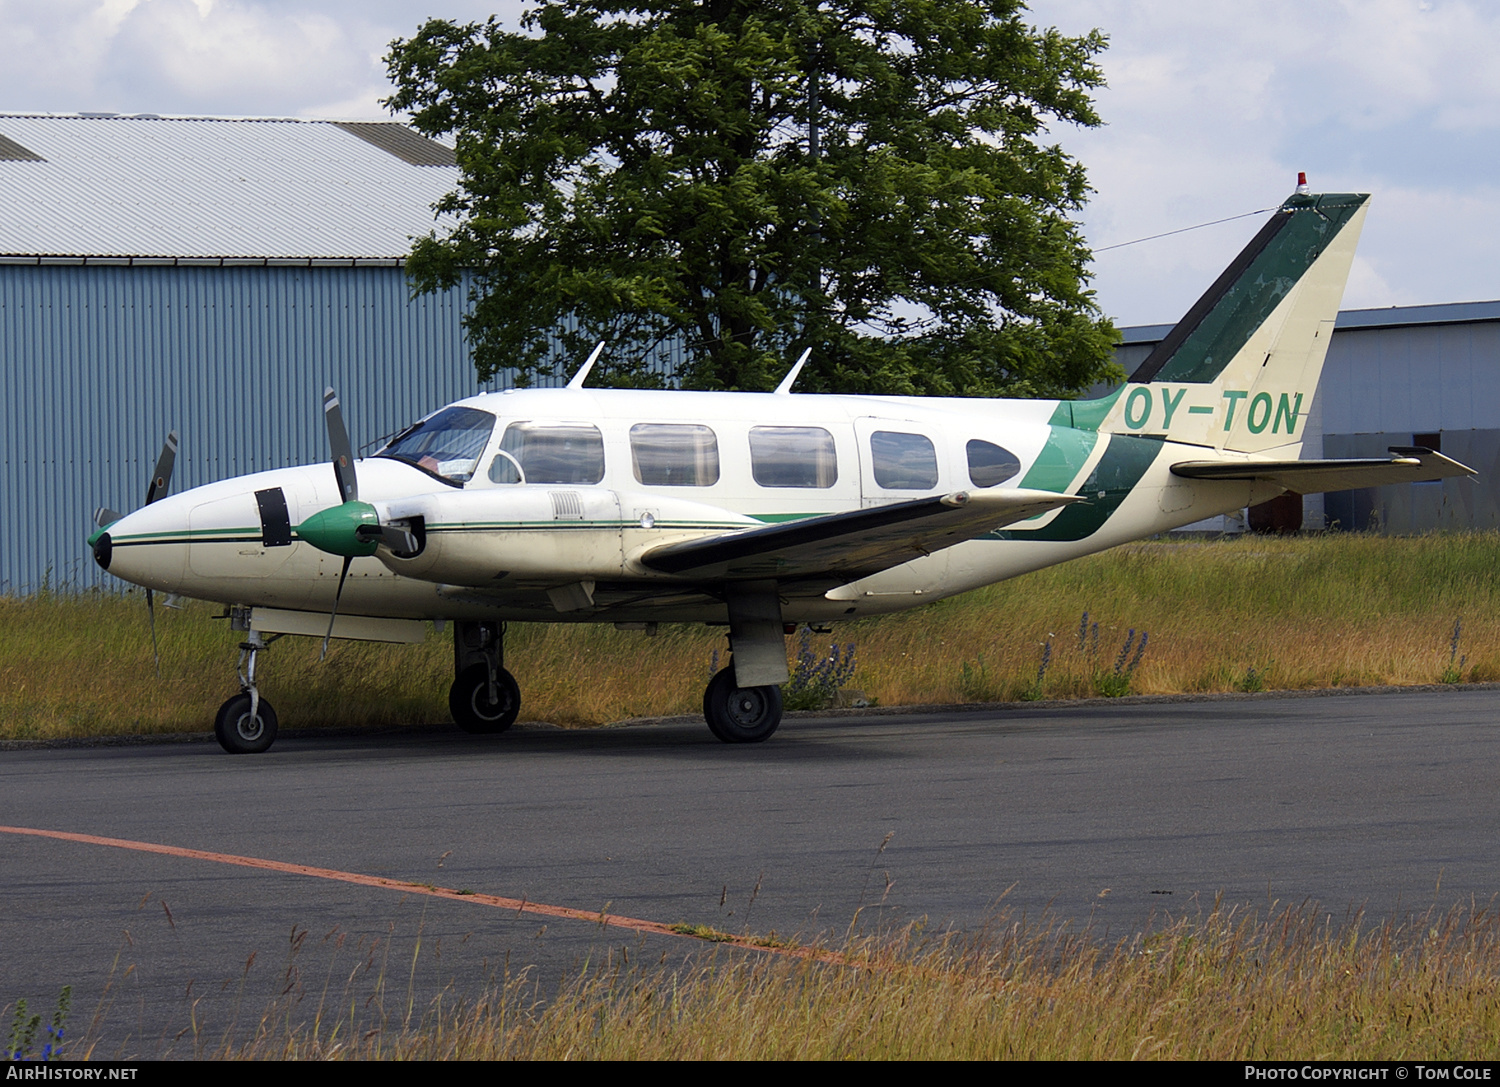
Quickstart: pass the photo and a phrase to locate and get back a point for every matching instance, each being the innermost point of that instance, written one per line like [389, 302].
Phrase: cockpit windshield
[447, 444]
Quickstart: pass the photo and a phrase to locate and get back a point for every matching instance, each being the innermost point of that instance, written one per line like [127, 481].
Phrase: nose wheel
[245, 726]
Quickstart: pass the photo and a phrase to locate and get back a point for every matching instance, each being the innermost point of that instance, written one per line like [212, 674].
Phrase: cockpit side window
[447, 444]
[793, 456]
[990, 464]
[674, 455]
[556, 452]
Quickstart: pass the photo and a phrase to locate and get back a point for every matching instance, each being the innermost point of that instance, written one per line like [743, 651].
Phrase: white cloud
[1212, 108]
[231, 57]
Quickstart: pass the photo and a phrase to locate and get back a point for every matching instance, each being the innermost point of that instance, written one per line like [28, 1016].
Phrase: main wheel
[469, 701]
[740, 715]
[239, 733]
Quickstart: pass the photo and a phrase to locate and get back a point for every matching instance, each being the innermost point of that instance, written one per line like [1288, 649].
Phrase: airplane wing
[1410, 464]
[854, 544]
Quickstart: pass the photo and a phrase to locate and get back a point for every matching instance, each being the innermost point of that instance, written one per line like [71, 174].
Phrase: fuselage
[520, 495]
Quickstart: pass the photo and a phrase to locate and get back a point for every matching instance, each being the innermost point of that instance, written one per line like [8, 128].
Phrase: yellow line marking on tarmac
[520, 905]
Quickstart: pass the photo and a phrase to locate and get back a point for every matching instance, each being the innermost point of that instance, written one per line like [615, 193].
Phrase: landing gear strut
[246, 724]
[484, 698]
[750, 713]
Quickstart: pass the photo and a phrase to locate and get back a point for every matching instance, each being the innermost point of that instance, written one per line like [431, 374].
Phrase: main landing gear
[740, 715]
[484, 698]
[743, 702]
[246, 724]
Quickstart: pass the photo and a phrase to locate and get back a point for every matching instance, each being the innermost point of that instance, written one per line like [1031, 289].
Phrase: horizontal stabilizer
[1409, 464]
[854, 544]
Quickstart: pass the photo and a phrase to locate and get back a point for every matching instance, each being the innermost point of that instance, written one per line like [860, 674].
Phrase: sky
[1211, 109]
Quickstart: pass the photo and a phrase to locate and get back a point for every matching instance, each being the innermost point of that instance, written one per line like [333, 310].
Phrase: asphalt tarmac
[1103, 814]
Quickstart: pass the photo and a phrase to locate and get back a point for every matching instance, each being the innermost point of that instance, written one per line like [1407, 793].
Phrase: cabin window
[793, 456]
[674, 455]
[553, 452]
[903, 462]
[989, 464]
[447, 444]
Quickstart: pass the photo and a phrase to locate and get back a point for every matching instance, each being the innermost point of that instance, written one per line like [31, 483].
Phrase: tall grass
[1246, 614]
[1228, 985]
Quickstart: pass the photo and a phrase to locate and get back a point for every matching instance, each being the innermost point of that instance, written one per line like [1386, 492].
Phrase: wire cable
[1184, 230]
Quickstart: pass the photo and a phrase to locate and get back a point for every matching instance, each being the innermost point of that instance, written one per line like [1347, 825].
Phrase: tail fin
[1240, 370]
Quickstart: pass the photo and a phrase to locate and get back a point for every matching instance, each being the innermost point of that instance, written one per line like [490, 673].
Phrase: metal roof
[211, 189]
[1447, 313]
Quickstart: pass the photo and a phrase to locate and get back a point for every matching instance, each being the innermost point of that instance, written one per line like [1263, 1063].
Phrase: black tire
[740, 715]
[468, 701]
[238, 733]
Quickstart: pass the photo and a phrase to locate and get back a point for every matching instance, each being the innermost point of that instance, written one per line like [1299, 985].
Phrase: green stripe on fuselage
[1084, 414]
[1061, 459]
[1124, 462]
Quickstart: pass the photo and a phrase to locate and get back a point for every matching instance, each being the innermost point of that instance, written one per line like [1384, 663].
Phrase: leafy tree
[863, 177]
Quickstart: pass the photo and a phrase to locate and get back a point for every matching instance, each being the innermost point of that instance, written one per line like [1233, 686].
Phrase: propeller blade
[161, 479]
[151, 619]
[104, 516]
[335, 613]
[343, 451]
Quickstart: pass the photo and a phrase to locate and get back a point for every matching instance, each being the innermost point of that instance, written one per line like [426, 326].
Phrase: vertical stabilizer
[1240, 370]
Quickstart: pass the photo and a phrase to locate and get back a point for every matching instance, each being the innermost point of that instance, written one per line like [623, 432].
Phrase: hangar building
[208, 276]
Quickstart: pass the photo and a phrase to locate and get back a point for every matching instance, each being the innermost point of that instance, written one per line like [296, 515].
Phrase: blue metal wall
[98, 363]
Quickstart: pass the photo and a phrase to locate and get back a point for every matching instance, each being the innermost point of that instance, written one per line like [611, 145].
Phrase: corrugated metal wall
[1416, 378]
[1454, 504]
[97, 364]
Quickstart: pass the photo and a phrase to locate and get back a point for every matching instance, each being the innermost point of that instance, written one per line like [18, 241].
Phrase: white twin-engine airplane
[755, 511]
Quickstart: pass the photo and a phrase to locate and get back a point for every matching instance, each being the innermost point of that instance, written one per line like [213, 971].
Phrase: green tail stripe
[1214, 330]
[1085, 414]
[1124, 463]
[1060, 460]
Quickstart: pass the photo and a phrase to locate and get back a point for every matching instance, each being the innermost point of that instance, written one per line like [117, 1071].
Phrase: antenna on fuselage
[583, 371]
[791, 377]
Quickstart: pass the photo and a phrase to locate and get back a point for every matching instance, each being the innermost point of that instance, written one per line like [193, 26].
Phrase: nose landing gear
[246, 724]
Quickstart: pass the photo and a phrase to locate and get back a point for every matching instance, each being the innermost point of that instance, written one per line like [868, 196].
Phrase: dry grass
[1295, 985]
[1337, 610]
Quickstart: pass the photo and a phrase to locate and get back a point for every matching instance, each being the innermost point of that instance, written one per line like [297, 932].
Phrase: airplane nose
[104, 548]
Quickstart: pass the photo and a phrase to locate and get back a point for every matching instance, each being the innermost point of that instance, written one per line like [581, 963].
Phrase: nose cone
[147, 547]
[102, 544]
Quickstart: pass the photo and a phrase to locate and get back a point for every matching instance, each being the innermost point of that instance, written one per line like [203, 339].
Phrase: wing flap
[1408, 464]
[853, 544]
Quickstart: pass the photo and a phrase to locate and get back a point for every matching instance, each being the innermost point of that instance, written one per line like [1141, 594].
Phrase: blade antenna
[583, 371]
[792, 375]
